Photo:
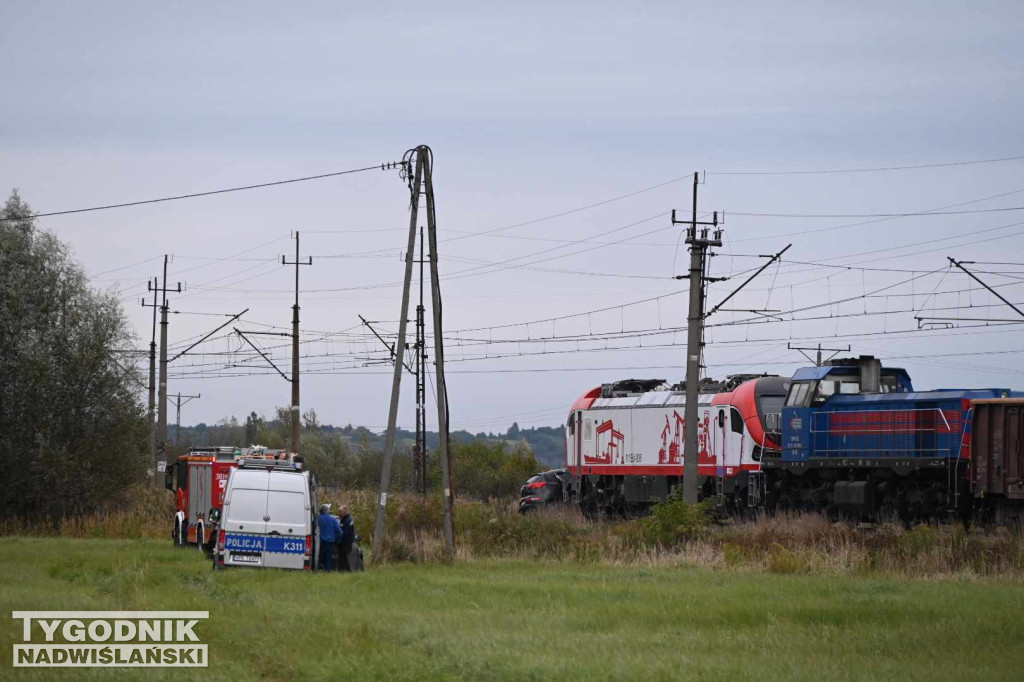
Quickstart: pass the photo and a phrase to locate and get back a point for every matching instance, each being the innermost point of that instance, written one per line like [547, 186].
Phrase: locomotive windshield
[798, 393]
[772, 403]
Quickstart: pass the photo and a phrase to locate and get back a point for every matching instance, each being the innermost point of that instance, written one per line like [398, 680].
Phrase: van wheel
[179, 534]
[200, 537]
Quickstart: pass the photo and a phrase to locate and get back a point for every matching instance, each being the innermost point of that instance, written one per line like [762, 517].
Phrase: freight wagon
[997, 460]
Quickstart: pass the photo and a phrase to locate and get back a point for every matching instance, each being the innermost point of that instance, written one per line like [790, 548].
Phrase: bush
[489, 469]
[674, 521]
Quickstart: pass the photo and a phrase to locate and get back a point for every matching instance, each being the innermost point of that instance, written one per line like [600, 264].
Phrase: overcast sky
[532, 110]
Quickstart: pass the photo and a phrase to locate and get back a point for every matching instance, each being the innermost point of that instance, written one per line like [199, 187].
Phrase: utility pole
[151, 413]
[818, 360]
[699, 246]
[419, 453]
[161, 425]
[181, 400]
[421, 183]
[296, 415]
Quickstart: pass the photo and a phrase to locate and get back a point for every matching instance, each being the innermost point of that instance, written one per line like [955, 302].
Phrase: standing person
[330, 533]
[346, 539]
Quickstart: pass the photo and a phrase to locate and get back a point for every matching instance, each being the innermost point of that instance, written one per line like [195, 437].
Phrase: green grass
[516, 620]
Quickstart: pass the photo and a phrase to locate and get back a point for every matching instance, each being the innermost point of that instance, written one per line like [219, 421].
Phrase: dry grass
[143, 512]
[788, 544]
[803, 543]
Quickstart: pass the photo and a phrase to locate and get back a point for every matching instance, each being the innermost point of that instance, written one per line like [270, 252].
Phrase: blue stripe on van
[278, 544]
[283, 544]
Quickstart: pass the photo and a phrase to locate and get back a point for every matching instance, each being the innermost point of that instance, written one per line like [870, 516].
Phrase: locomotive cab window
[772, 403]
[836, 385]
[737, 421]
[890, 384]
[182, 475]
[798, 394]
[570, 426]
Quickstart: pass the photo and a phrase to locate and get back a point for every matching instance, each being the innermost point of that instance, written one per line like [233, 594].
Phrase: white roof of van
[294, 481]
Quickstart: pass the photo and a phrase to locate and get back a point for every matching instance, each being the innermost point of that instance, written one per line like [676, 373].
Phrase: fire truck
[198, 480]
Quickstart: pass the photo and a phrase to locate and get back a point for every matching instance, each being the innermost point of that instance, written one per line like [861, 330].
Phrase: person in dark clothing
[330, 533]
[346, 539]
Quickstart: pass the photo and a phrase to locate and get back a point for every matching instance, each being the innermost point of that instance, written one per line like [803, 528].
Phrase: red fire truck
[198, 479]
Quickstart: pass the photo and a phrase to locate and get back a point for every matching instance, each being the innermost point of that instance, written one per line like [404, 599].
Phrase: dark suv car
[549, 487]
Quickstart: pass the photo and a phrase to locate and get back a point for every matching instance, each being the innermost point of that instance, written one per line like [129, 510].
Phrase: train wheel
[914, 509]
[889, 510]
[588, 505]
[785, 504]
[835, 514]
[1010, 519]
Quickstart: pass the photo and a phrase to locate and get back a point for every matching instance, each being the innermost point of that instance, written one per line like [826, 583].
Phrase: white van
[269, 517]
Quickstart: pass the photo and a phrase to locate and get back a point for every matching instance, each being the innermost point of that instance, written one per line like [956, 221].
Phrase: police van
[269, 517]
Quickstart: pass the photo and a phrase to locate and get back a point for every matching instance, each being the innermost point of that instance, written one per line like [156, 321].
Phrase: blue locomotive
[857, 439]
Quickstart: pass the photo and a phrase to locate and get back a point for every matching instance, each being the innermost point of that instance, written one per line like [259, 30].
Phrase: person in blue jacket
[330, 533]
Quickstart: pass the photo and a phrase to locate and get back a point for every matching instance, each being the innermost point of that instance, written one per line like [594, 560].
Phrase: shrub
[674, 521]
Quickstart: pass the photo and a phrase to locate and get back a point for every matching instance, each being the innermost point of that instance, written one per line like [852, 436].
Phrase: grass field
[515, 620]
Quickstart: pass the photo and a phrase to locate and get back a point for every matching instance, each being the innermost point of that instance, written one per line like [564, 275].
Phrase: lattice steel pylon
[418, 170]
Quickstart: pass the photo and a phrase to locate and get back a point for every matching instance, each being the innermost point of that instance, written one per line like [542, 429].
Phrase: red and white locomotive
[624, 441]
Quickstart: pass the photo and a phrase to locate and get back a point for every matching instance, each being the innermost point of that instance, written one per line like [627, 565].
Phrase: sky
[566, 132]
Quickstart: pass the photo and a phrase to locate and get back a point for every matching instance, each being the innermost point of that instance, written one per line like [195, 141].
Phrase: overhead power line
[876, 169]
[878, 220]
[875, 215]
[194, 195]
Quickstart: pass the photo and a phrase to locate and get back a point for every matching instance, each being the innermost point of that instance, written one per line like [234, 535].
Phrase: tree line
[73, 432]
[350, 457]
